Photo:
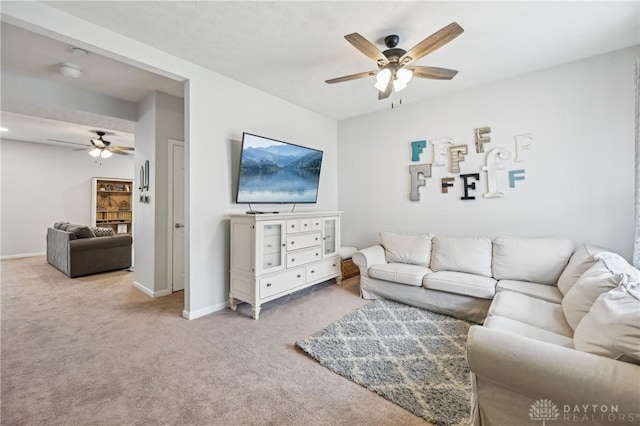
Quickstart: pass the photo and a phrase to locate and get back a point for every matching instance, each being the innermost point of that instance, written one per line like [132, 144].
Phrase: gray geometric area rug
[413, 357]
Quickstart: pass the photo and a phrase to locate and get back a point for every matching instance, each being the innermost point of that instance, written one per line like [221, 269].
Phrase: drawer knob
[293, 226]
[313, 272]
[268, 284]
[334, 265]
[316, 238]
[293, 259]
[284, 245]
[305, 224]
[269, 263]
[317, 254]
[268, 245]
[298, 276]
[293, 242]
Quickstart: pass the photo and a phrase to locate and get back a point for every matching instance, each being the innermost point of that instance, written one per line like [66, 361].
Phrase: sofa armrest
[58, 249]
[368, 257]
[540, 370]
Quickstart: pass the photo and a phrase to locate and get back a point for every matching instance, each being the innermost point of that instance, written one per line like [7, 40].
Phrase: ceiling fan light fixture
[398, 85]
[106, 153]
[95, 152]
[382, 79]
[70, 70]
[404, 75]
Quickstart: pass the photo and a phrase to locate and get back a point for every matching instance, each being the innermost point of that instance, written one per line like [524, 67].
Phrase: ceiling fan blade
[433, 73]
[70, 143]
[123, 148]
[431, 43]
[117, 151]
[366, 47]
[351, 77]
[387, 91]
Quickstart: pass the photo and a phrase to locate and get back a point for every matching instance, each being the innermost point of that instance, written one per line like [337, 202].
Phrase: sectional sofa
[560, 333]
[77, 251]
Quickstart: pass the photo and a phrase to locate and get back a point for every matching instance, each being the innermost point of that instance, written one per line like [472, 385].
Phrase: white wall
[161, 117]
[579, 174]
[44, 184]
[218, 110]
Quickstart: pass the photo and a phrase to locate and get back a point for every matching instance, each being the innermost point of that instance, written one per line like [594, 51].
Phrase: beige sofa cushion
[580, 261]
[400, 247]
[461, 254]
[461, 283]
[549, 293]
[538, 260]
[611, 328]
[530, 310]
[402, 273]
[526, 330]
[596, 280]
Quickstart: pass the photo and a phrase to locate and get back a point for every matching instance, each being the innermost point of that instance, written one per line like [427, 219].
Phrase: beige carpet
[96, 351]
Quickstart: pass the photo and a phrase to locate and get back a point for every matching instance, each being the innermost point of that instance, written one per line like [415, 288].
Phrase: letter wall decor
[495, 162]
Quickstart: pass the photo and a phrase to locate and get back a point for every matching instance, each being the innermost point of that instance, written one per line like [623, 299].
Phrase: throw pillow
[65, 226]
[612, 326]
[400, 247]
[581, 260]
[462, 254]
[595, 281]
[538, 260]
[81, 231]
[57, 225]
[618, 265]
[102, 232]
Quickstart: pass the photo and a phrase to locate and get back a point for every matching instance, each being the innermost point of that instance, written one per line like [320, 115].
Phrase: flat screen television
[276, 172]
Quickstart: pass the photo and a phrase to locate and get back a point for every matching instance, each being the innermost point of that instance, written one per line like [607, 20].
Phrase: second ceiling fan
[394, 69]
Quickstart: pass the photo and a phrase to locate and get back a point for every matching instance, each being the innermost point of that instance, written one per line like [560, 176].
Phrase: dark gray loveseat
[83, 256]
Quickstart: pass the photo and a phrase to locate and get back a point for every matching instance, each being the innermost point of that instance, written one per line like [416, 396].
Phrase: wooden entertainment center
[273, 255]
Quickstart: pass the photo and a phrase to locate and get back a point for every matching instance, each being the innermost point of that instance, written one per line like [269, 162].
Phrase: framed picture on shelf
[122, 228]
[127, 187]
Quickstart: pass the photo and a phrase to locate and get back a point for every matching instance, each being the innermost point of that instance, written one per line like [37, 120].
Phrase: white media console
[273, 255]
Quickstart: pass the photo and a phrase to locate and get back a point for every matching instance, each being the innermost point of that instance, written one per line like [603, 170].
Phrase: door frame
[171, 143]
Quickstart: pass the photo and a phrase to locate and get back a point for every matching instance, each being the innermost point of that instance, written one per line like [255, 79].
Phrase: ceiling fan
[394, 69]
[100, 147]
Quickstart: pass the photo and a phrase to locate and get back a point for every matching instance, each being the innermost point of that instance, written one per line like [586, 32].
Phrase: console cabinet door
[330, 236]
[271, 246]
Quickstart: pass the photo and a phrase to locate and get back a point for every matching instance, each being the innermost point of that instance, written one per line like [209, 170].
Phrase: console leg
[256, 312]
[232, 303]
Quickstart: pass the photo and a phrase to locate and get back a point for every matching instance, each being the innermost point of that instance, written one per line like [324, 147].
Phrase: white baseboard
[204, 311]
[20, 256]
[151, 293]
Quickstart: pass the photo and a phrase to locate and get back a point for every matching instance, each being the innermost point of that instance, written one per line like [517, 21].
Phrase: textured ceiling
[288, 49]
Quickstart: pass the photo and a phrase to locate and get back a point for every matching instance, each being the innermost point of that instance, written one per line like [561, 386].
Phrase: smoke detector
[70, 70]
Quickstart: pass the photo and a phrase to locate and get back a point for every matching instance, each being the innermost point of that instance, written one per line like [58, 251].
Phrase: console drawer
[300, 257]
[297, 242]
[323, 269]
[281, 282]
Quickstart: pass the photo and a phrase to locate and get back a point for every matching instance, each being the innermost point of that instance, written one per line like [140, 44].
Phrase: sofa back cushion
[81, 231]
[611, 328]
[580, 261]
[461, 254]
[538, 260]
[406, 248]
[595, 281]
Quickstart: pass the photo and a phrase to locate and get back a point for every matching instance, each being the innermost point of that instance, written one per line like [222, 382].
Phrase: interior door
[177, 200]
